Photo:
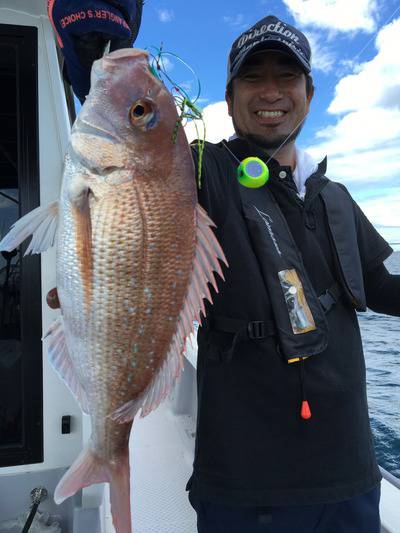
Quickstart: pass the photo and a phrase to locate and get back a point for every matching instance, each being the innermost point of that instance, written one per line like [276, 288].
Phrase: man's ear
[309, 89]
[311, 94]
[228, 99]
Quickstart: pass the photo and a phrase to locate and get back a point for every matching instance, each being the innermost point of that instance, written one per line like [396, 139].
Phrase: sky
[355, 114]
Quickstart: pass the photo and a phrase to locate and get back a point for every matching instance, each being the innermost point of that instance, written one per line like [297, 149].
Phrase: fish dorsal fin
[41, 223]
[62, 363]
[206, 262]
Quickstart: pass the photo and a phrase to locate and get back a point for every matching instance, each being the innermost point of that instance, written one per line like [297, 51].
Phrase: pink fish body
[134, 255]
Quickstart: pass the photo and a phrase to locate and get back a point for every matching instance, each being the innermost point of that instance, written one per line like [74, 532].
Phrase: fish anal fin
[62, 363]
[41, 223]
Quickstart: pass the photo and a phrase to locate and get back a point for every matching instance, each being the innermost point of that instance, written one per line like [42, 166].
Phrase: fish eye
[139, 109]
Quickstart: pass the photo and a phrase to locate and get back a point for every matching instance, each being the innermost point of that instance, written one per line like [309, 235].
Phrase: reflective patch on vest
[300, 315]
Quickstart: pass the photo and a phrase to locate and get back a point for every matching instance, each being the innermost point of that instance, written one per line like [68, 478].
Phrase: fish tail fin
[120, 495]
[41, 223]
[89, 469]
[86, 470]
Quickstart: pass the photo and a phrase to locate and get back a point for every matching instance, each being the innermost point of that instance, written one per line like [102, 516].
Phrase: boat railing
[393, 480]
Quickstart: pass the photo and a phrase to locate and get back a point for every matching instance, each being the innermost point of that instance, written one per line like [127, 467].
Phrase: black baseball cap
[269, 33]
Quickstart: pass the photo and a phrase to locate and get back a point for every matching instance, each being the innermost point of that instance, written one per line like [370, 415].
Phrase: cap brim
[270, 44]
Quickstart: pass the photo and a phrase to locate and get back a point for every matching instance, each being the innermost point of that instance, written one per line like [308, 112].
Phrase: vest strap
[330, 297]
[261, 329]
[257, 329]
[243, 330]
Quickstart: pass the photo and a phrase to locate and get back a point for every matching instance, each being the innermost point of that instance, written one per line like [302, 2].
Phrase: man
[283, 441]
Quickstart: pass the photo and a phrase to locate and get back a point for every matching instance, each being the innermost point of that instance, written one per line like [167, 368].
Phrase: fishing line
[375, 33]
[188, 110]
[252, 172]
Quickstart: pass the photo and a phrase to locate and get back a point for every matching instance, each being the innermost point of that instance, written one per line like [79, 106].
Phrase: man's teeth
[269, 114]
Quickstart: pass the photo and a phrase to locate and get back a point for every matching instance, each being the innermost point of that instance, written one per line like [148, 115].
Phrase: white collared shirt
[305, 166]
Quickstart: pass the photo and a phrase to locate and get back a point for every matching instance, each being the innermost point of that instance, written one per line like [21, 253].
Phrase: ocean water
[381, 338]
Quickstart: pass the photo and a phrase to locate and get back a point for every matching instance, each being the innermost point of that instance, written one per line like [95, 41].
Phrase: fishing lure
[188, 110]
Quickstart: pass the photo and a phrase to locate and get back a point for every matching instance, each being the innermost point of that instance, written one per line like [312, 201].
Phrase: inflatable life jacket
[299, 313]
[300, 323]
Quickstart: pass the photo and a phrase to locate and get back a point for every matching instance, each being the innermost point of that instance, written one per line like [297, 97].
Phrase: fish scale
[157, 276]
[135, 254]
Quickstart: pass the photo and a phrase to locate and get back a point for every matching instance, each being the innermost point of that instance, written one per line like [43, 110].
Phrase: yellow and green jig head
[252, 173]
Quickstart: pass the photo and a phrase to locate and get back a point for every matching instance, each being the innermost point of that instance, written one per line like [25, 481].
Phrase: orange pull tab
[305, 410]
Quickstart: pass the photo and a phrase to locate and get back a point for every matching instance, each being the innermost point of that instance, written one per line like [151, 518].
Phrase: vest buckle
[256, 330]
[327, 300]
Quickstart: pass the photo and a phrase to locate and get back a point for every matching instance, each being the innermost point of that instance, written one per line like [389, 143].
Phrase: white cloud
[236, 20]
[363, 146]
[218, 124]
[384, 213]
[322, 58]
[366, 129]
[365, 141]
[166, 15]
[374, 166]
[338, 15]
[376, 82]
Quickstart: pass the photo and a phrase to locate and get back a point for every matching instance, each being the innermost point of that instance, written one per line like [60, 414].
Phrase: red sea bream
[135, 253]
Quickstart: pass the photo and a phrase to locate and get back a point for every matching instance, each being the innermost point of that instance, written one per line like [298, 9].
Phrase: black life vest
[300, 321]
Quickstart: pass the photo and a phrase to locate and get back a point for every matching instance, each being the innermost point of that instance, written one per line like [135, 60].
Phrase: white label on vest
[267, 221]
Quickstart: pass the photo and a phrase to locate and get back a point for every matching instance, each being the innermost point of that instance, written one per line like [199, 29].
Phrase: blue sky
[355, 114]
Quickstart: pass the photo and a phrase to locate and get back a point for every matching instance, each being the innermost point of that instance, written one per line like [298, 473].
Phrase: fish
[135, 255]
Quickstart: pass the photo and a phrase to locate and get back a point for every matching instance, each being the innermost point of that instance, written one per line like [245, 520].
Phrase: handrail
[37, 496]
[393, 480]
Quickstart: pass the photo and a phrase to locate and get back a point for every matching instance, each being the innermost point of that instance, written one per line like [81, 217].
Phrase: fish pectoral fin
[80, 194]
[62, 363]
[41, 223]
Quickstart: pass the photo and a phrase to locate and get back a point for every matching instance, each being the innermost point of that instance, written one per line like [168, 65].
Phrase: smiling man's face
[269, 99]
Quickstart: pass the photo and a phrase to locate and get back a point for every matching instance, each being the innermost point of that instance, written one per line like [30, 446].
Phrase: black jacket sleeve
[382, 290]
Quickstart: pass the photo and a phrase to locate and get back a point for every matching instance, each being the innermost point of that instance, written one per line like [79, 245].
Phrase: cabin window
[21, 390]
